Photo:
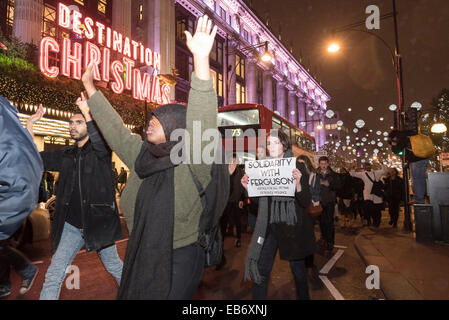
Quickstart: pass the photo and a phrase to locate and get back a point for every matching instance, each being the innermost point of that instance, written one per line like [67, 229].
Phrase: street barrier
[444, 212]
[423, 222]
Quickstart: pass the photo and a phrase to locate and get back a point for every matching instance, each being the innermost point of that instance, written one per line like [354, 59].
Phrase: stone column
[160, 33]
[309, 126]
[27, 25]
[121, 17]
[251, 81]
[231, 78]
[281, 99]
[302, 114]
[268, 90]
[323, 131]
[292, 107]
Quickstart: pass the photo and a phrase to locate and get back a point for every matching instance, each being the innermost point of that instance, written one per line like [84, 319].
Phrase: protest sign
[271, 177]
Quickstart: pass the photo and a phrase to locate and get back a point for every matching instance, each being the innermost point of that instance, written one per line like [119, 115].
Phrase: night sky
[361, 74]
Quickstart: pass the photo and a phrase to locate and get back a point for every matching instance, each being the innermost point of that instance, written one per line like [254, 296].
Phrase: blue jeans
[265, 264]
[418, 174]
[72, 242]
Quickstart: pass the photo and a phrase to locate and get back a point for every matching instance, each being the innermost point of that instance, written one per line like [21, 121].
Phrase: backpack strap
[366, 173]
[199, 187]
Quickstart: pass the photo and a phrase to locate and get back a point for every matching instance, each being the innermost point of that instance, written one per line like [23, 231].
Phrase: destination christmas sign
[98, 42]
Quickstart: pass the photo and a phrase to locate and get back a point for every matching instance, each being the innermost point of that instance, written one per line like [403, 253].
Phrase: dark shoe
[314, 279]
[27, 283]
[4, 291]
[221, 264]
[329, 247]
[390, 223]
[238, 243]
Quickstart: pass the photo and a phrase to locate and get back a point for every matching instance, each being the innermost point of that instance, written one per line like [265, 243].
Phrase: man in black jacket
[330, 183]
[86, 211]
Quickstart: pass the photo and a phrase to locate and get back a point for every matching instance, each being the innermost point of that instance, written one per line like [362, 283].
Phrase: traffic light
[411, 117]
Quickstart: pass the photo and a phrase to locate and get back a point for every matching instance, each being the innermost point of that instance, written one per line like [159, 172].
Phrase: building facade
[283, 85]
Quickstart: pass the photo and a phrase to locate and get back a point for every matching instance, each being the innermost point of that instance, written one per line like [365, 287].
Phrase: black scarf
[147, 268]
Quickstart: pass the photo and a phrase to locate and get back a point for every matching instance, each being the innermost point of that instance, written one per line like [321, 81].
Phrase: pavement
[408, 270]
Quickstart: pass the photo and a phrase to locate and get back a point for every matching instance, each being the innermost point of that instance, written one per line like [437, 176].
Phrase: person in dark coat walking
[346, 196]
[291, 233]
[394, 194]
[86, 210]
[330, 183]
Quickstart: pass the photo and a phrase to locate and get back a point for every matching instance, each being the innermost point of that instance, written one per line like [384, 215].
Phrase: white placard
[271, 177]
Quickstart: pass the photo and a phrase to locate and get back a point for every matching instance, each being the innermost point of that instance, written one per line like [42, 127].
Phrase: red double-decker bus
[239, 119]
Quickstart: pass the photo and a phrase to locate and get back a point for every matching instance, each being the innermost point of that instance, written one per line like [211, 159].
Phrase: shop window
[102, 4]
[10, 13]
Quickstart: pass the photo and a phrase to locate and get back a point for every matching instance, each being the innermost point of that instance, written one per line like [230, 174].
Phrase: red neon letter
[64, 16]
[156, 91]
[100, 28]
[68, 59]
[117, 40]
[89, 33]
[106, 64]
[108, 37]
[165, 94]
[92, 52]
[47, 44]
[141, 87]
[135, 45]
[129, 65]
[127, 48]
[148, 57]
[77, 22]
[142, 54]
[117, 70]
[157, 61]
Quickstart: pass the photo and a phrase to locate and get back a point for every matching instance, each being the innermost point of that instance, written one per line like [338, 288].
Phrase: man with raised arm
[86, 211]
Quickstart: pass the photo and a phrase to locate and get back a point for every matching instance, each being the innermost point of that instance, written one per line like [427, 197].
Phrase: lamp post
[266, 57]
[399, 118]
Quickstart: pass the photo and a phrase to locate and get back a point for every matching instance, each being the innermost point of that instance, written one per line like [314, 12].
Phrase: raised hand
[244, 181]
[81, 102]
[34, 118]
[88, 80]
[200, 44]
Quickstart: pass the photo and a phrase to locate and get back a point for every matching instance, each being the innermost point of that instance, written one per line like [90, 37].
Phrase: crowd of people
[164, 203]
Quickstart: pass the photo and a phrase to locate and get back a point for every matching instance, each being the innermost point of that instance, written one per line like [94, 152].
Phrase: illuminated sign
[142, 84]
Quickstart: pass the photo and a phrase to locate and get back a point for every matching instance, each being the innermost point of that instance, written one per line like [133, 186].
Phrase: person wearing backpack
[373, 201]
[165, 258]
[401, 141]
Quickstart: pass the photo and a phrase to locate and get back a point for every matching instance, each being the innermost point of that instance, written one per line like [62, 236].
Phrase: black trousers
[11, 257]
[393, 210]
[327, 223]
[265, 264]
[373, 213]
[188, 267]
[232, 216]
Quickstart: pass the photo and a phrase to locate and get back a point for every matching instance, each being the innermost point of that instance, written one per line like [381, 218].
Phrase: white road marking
[340, 247]
[331, 262]
[335, 293]
[37, 262]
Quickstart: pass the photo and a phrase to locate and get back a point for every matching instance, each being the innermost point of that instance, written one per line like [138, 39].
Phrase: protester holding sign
[281, 223]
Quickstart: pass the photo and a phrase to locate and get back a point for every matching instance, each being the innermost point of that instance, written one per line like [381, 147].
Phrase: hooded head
[163, 121]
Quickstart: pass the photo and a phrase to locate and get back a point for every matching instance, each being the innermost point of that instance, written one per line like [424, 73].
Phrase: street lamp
[266, 57]
[438, 127]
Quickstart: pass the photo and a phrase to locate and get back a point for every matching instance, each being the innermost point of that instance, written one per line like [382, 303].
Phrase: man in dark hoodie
[161, 201]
